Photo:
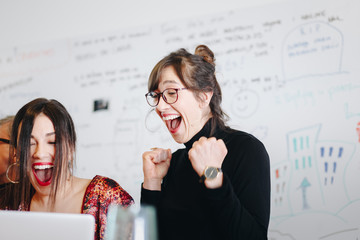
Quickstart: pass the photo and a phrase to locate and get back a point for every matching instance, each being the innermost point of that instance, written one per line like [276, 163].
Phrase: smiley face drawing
[245, 103]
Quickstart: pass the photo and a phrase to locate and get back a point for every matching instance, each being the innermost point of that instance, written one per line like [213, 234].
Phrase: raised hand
[208, 152]
[155, 166]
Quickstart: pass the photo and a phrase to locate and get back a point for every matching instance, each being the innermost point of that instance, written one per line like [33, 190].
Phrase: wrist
[212, 177]
[214, 183]
[152, 184]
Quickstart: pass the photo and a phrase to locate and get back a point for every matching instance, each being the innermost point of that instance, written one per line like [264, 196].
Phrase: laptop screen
[17, 225]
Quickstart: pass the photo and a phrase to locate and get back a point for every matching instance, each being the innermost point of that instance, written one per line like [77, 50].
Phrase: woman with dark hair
[43, 142]
[218, 186]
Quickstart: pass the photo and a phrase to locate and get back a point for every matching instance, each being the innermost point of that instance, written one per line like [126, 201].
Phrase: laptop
[17, 225]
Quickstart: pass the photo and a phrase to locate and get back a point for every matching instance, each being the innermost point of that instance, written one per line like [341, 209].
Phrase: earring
[7, 172]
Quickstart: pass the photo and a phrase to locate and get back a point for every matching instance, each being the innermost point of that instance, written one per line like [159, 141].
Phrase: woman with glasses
[43, 142]
[218, 186]
[5, 127]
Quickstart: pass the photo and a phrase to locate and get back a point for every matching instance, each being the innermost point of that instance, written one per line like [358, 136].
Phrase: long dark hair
[197, 73]
[22, 192]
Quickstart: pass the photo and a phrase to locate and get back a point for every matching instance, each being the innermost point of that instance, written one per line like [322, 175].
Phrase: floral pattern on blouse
[99, 195]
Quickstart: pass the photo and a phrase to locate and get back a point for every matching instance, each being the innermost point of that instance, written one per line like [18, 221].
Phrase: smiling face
[42, 152]
[187, 115]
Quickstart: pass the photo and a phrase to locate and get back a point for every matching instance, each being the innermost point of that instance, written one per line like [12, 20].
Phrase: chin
[179, 141]
[177, 138]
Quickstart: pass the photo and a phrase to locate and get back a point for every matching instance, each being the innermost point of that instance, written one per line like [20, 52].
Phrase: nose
[162, 105]
[39, 151]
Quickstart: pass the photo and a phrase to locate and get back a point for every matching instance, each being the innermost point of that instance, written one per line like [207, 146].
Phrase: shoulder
[103, 182]
[108, 188]
[236, 137]
[243, 145]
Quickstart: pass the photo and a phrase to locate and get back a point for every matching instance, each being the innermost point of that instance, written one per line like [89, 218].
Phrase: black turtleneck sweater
[240, 209]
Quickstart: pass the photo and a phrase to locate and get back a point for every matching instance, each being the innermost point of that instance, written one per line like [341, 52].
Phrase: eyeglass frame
[5, 140]
[163, 97]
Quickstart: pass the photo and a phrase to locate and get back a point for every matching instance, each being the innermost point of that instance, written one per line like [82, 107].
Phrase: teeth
[171, 117]
[41, 167]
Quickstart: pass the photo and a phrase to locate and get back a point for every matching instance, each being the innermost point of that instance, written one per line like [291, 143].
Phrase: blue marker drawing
[330, 151]
[322, 151]
[307, 47]
[326, 166]
[340, 152]
[326, 169]
[304, 185]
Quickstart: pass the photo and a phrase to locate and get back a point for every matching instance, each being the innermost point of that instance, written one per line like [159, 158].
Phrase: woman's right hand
[155, 166]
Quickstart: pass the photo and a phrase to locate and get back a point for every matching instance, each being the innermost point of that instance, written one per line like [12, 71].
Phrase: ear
[205, 98]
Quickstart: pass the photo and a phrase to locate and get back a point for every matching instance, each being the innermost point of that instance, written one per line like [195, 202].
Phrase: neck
[204, 120]
[46, 202]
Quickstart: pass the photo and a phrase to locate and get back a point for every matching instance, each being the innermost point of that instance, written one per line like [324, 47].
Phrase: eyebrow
[47, 134]
[170, 81]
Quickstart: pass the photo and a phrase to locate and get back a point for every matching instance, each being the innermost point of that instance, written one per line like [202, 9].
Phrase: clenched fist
[155, 166]
[208, 152]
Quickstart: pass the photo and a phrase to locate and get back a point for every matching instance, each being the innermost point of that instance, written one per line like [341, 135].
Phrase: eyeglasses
[5, 140]
[170, 96]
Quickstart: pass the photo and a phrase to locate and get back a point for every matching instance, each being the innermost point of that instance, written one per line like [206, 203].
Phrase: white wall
[33, 21]
[303, 105]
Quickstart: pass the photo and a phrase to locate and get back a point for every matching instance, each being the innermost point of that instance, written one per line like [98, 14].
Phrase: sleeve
[105, 192]
[115, 194]
[149, 197]
[241, 207]
[153, 197]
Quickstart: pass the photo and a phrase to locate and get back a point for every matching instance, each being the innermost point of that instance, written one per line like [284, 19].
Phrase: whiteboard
[289, 74]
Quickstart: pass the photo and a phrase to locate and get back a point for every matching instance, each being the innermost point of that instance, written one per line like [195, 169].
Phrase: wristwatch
[210, 173]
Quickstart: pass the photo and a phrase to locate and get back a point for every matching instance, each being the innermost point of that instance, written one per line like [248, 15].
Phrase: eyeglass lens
[169, 95]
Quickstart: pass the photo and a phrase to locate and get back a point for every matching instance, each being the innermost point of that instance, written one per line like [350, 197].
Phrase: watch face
[211, 172]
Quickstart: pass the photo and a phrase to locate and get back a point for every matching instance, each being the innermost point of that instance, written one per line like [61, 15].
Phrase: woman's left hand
[208, 152]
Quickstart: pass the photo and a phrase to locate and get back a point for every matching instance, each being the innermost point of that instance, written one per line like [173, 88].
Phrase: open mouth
[43, 172]
[172, 122]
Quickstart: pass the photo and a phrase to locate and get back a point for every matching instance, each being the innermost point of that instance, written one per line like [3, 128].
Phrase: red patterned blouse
[99, 195]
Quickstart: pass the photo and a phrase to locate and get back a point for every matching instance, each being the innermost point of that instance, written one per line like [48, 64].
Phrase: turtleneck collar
[204, 132]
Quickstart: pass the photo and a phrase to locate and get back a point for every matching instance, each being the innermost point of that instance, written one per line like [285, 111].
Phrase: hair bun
[205, 53]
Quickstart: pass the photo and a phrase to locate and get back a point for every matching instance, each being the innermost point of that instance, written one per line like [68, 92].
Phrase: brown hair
[22, 192]
[197, 73]
[6, 120]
